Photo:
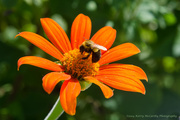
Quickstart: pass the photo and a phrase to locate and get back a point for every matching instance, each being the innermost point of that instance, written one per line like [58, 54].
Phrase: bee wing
[100, 47]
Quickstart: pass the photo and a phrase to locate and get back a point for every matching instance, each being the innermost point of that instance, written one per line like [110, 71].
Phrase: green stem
[55, 112]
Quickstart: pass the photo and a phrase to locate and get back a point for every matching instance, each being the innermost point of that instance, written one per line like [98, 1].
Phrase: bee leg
[82, 49]
[87, 56]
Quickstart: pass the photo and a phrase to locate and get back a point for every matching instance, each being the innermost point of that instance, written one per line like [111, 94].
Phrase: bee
[90, 47]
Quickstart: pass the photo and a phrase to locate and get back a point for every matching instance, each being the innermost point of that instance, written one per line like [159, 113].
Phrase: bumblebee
[91, 47]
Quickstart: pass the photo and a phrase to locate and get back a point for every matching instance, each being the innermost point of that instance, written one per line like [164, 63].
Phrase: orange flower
[73, 69]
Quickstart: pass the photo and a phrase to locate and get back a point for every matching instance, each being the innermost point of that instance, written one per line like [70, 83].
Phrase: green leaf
[85, 85]
[56, 111]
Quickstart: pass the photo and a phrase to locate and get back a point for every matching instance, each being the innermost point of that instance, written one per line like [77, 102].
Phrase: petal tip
[146, 79]
[42, 19]
[81, 14]
[49, 92]
[45, 88]
[144, 92]
[114, 30]
[19, 63]
[107, 97]
[136, 49]
[17, 35]
[72, 113]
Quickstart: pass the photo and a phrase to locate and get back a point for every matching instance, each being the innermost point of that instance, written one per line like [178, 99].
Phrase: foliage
[153, 25]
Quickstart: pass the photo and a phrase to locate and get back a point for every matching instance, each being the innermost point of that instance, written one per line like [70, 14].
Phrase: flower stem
[55, 112]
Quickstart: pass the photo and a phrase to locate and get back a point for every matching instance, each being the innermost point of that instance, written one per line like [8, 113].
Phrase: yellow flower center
[78, 67]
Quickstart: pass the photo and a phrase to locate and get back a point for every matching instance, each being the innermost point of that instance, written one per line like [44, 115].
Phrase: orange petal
[108, 92]
[39, 62]
[81, 30]
[68, 94]
[105, 37]
[119, 52]
[42, 43]
[125, 69]
[56, 34]
[120, 81]
[51, 79]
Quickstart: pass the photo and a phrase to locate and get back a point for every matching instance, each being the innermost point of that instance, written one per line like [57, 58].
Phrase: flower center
[78, 67]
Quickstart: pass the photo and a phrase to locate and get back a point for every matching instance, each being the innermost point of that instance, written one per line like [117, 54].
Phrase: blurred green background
[152, 25]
